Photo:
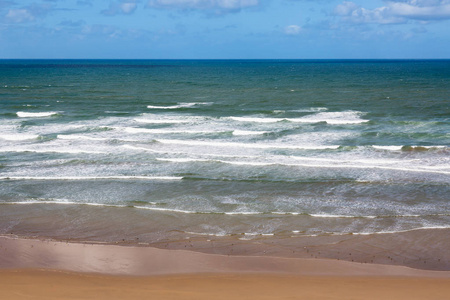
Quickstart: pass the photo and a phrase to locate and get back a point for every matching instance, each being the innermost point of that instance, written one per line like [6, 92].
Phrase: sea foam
[179, 105]
[18, 137]
[22, 114]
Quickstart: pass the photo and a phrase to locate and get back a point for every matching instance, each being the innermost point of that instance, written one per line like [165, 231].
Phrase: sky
[225, 29]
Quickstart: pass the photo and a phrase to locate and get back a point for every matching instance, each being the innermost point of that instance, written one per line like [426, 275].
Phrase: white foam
[330, 216]
[285, 213]
[160, 121]
[332, 118]
[245, 132]
[239, 163]
[244, 213]
[142, 149]
[184, 153]
[390, 148]
[68, 151]
[79, 137]
[399, 148]
[64, 202]
[167, 209]
[401, 231]
[257, 120]
[162, 131]
[18, 137]
[312, 109]
[419, 169]
[182, 160]
[207, 233]
[245, 145]
[179, 105]
[22, 114]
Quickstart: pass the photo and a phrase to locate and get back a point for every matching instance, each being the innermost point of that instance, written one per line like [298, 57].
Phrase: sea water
[161, 149]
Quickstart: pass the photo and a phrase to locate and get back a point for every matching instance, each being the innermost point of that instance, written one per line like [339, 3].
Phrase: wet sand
[48, 269]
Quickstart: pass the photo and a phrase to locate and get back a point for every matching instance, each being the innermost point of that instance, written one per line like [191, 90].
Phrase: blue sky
[236, 29]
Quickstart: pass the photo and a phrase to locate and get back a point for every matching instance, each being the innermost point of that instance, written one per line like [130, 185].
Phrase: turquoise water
[99, 149]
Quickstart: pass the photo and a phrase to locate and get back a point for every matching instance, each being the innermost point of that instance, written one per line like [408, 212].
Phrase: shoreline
[418, 249]
[20, 253]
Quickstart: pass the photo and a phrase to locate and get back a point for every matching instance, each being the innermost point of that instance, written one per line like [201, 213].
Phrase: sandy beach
[48, 269]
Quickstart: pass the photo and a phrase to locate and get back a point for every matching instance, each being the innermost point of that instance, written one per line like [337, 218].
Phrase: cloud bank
[216, 6]
[397, 11]
[123, 7]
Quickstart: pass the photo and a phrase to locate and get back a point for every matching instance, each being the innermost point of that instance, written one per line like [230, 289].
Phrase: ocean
[162, 150]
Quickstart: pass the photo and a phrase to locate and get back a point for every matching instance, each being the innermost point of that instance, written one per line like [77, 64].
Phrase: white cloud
[218, 6]
[422, 10]
[128, 7]
[354, 13]
[28, 13]
[396, 11]
[123, 7]
[19, 15]
[292, 30]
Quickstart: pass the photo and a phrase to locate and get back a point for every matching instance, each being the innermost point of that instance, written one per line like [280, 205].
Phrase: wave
[167, 209]
[311, 109]
[65, 151]
[246, 132]
[22, 114]
[257, 120]
[18, 137]
[160, 121]
[231, 213]
[245, 145]
[183, 153]
[389, 148]
[119, 177]
[79, 137]
[207, 233]
[62, 202]
[174, 131]
[332, 118]
[162, 131]
[337, 164]
[409, 148]
[401, 231]
[179, 105]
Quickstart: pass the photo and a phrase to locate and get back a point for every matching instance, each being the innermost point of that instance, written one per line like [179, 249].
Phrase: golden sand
[33, 284]
[43, 269]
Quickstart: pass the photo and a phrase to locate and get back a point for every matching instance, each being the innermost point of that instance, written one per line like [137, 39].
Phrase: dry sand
[46, 269]
[49, 285]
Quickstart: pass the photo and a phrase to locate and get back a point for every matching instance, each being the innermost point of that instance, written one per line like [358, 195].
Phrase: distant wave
[22, 114]
[245, 145]
[179, 105]
[332, 118]
[311, 109]
[160, 121]
[172, 131]
[162, 131]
